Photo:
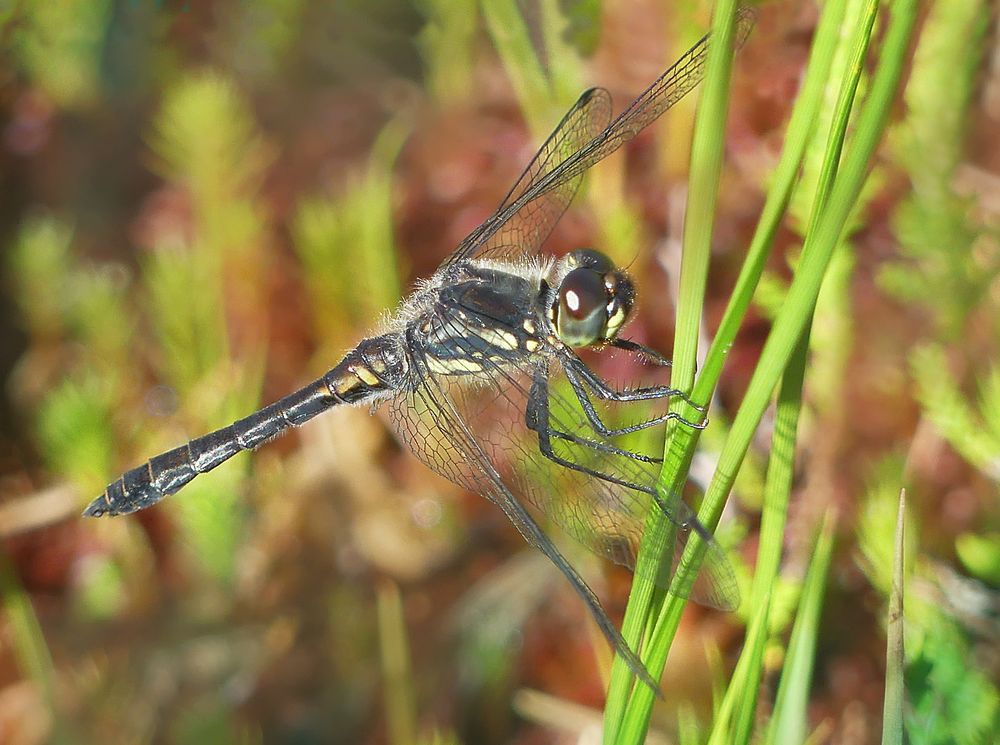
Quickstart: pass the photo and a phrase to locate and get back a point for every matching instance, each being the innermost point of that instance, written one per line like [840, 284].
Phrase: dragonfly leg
[653, 357]
[582, 377]
[538, 420]
[650, 355]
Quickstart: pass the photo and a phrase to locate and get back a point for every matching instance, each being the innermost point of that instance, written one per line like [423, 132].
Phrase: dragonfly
[480, 372]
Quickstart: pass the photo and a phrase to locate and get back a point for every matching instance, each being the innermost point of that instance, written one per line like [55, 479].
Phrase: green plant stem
[400, 709]
[782, 462]
[742, 680]
[895, 693]
[682, 443]
[787, 330]
[706, 165]
[30, 650]
[788, 721]
[512, 39]
[777, 489]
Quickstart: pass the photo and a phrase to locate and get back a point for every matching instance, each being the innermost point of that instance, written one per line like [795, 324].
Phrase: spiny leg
[654, 358]
[538, 420]
[581, 377]
[643, 393]
[455, 434]
[651, 355]
[538, 417]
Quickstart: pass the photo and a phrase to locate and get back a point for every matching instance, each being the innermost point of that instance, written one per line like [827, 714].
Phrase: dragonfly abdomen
[164, 474]
[360, 376]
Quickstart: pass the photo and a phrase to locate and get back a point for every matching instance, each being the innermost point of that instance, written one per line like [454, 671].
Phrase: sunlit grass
[447, 42]
[895, 667]
[545, 87]
[27, 643]
[626, 722]
[948, 269]
[59, 44]
[789, 721]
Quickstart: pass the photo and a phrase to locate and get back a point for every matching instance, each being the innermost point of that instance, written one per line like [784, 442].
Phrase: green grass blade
[781, 466]
[28, 642]
[843, 110]
[787, 330]
[782, 463]
[788, 721]
[799, 132]
[30, 650]
[446, 43]
[741, 696]
[892, 712]
[397, 677]
[819, 247]
[706, 167]
[542, 94]
[780, 471]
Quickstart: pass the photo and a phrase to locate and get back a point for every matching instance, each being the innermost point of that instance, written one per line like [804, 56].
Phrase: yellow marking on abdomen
[365, 375]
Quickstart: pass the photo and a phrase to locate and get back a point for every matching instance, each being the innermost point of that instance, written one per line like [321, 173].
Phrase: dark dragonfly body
[503, 315]
[166, 473]
[481, 381]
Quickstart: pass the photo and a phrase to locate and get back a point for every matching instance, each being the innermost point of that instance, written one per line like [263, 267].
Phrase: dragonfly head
[593, 299]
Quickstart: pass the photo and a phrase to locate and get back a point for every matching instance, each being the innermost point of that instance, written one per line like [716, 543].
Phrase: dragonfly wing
[604, 504]
[531, 209]
[522, 225]
[429, 420]
[601, 499]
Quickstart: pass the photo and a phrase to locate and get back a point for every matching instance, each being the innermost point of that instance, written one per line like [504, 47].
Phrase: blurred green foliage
[544, 75]
[951, 255]
[349, 236]
[447, 44]
[935, 226]
[170, 332]
[58, 46]
[949, 272]
[949, 700]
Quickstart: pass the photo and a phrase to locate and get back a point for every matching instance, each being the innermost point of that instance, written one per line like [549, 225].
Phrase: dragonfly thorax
[592, 301]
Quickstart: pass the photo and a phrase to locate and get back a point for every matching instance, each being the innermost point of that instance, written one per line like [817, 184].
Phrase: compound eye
[582, 314]
[582, 292]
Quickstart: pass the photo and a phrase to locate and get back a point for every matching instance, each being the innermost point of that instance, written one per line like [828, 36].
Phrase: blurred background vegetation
[204, 204]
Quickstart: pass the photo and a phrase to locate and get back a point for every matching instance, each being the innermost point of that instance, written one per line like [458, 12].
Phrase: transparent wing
[600, 498]
[429, 421]
[530, 211]
[522, 224]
